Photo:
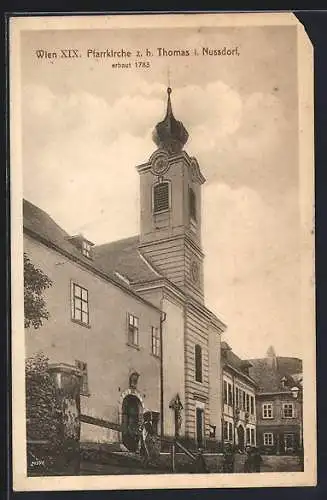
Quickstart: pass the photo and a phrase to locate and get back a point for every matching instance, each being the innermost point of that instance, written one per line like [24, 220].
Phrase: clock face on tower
[195, 272]
[159, 162]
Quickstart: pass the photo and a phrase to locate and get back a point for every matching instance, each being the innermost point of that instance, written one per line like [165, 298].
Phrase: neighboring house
[239, 400]
[279, 408]
[131, 313]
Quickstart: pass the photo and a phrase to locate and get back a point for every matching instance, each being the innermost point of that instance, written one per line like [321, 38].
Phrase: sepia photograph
[162, 207]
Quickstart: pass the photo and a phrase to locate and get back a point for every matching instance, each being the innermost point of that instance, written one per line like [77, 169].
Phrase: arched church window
[161, 197]
[198, 363]
[192, 203]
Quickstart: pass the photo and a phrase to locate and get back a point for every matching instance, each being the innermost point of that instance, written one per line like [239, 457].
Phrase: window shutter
[161, 197]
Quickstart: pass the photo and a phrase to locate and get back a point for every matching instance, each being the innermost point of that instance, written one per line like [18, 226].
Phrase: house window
[248, 436]
[230, 395]
[288, 410]
[161, 197]
[244, 400]
[192, 201]
[241, 399]
[133, 330]
[84, 388]
[155, 341]
[252, 437]
[226, 431]
[252, 405]
[248, 403]
[80, 304]
[268, 439]
[230, 431]
[86, 249]
[198, 363]
[267, 410]
[225, 392]
[237, 397]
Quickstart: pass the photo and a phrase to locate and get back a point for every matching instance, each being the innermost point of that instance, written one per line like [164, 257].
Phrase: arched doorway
[240, 437]
[131, 419]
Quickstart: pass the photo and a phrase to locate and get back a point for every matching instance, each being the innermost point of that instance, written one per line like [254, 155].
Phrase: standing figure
[228, 464]
[257, 460]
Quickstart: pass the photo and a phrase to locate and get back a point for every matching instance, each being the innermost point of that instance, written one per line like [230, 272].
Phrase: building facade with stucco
[239, 418]
[279, 403]
[130, 314]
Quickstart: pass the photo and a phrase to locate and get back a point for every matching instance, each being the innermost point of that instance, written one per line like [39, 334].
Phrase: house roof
[231, 360]
[269, 372]
[38, 223]
[125, 257]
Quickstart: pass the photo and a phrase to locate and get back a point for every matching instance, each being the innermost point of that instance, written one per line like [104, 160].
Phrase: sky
[85, 126]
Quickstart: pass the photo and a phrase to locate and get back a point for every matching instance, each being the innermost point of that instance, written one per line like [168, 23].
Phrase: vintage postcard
[163, 291]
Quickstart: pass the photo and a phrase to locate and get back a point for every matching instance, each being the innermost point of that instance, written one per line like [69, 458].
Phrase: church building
[130, 314]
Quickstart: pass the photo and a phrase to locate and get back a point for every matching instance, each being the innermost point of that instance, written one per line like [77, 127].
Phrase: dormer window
[86, 249]
[83, 245]
[161, 197]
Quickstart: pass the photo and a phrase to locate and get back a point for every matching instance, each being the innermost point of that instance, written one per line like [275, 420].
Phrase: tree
[35, 283]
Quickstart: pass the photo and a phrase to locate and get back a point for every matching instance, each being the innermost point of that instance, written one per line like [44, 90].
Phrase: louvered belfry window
[161, 197]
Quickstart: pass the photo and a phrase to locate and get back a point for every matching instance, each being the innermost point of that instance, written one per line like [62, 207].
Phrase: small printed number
[142, 64]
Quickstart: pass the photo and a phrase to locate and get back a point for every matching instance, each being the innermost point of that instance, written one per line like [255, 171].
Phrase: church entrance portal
[131, 420]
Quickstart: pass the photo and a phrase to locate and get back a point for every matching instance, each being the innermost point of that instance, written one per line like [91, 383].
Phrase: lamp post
[297, 394]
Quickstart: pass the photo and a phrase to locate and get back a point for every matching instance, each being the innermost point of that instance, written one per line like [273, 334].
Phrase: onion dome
[170, 134]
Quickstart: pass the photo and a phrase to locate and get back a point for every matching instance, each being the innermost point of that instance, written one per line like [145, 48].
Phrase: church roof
[118, 256]
[124, 257]
[269, 374]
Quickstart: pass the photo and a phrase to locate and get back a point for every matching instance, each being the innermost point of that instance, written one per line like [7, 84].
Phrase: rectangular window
[155, 341]
[267, 410]
[230, 431]
[192, 199]
[252, 405]
[133, 330]
[248, 436]
[268, 439]
[248, 403]
[225, 431]
[230, 395]
[252, 437]
[288, 410]
[198, 363]
[225, 393]
[86, 249]
[84, 388]
[161, 197]
[237, 398]
[244, 401]
[80, 304]
[288, 442]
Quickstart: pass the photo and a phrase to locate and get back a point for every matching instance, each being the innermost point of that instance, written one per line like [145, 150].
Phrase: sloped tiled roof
[229, 358]
[124, 257]
[40, 224]
[268, 374]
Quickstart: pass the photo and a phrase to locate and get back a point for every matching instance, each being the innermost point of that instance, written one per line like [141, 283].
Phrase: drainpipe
[162, 320]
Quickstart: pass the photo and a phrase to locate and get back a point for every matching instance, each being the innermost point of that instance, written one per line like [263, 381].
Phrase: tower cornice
[191, 162]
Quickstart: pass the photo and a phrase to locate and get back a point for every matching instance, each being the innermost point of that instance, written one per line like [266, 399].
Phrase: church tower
[170, 200]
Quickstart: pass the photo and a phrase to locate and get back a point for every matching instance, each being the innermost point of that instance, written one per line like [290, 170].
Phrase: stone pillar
[67, 380]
